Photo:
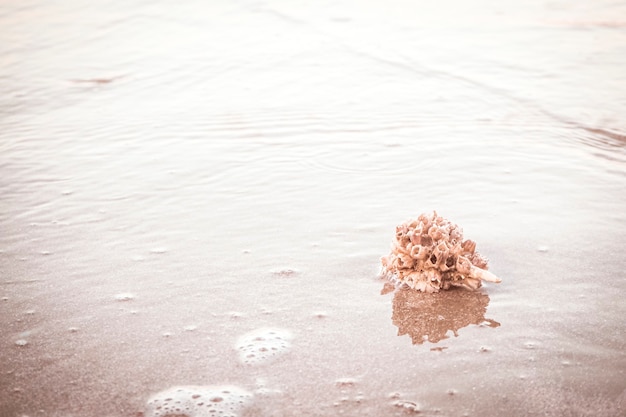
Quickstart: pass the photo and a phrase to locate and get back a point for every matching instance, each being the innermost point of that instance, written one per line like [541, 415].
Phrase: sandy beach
[195, 198]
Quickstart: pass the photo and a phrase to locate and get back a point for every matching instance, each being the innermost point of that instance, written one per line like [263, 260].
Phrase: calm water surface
[176, 175]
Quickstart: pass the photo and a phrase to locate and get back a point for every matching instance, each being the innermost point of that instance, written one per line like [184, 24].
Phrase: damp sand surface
[195, 197]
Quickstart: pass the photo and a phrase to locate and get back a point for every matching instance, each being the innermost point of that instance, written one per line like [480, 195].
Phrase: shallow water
[175, 176]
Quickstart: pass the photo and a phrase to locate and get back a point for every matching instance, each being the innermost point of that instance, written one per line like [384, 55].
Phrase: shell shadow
[429, 317]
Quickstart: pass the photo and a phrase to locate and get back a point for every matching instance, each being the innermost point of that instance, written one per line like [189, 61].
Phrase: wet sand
[186, 185]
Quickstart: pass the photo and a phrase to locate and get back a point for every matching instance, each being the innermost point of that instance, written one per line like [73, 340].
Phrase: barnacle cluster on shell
[429, 253]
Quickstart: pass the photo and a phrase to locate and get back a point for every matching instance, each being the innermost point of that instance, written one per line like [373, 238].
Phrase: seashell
[435, 233]
[419, 252]
[456, 233]
[469, 246]
[463, 265]
[448, 264]
[431, 262]
[429, 254]
[479, 261]
[416, 239]
[406, 261]
[441, 255]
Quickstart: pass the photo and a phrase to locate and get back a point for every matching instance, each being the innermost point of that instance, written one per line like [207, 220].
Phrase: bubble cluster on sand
[198, 401]
[263, 345]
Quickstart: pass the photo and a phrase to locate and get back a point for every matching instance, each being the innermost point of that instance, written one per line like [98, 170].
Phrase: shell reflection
[429, 317]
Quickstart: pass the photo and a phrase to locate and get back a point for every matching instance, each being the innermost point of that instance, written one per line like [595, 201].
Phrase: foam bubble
[409, 406]
[530, 345]
[198, 401]
[125, 296]
[263, 390]
[285, 272]
[263, 345]
[345, 382]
